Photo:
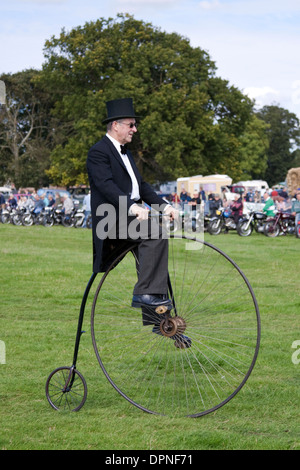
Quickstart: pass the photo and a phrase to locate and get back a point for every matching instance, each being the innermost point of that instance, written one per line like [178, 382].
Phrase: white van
[256, 185]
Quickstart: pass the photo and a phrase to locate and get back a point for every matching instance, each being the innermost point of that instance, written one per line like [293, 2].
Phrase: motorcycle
[254, 220]
[52, 216]
[297, 229]
[74, 219]
[5, 215]
[12, 215]
[283, 223]
[222, 221]
[89, 222]
[32, 218]
[16, 216]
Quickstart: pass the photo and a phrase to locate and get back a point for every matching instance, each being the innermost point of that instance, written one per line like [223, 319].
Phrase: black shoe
[180, 341]
[153, 301]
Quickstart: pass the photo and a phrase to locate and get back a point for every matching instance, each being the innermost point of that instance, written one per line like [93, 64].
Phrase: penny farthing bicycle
[187, 361]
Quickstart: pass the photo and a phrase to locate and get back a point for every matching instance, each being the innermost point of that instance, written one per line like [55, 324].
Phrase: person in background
[215, 203]
[2, 201]
[86, 207]
[67, 204]
[51, 200]
[269, 206]
[237, 208]
[296, 208]
[39, 204]
[202, 194]
[12, 202]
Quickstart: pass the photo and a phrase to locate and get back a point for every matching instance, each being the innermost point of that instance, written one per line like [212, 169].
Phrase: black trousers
[151, 253]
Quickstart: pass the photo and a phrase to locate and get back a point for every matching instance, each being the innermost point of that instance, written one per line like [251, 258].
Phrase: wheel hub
[172, 326]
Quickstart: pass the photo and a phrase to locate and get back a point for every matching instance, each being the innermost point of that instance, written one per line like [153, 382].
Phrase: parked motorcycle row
[283, 223]
[47, 217]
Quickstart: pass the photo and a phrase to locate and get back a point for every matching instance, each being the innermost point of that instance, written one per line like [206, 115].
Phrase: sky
[254, 43]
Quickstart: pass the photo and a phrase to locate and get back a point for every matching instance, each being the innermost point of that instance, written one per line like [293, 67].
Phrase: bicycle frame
[81, 316]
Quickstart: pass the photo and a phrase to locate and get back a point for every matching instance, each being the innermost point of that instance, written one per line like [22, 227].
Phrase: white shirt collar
[135, 192]
[115, 142]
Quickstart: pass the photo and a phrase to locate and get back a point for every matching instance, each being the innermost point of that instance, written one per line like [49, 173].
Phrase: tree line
[191, 121]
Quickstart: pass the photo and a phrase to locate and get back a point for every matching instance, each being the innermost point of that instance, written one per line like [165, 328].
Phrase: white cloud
[262, 95]
[147, 2]
[209, 4]
[44, 2]
[296, 92]
[254, 43]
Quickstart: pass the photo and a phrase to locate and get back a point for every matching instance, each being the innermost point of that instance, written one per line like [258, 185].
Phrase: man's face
[125, 129]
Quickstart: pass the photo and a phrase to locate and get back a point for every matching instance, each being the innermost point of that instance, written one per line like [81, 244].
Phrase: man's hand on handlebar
[171, 212]
[142, 213]
[139, 211]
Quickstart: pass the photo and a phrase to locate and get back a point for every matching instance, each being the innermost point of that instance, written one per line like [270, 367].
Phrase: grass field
[43, 275]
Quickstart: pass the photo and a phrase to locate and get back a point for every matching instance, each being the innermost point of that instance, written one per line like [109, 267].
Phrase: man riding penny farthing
[166, 339]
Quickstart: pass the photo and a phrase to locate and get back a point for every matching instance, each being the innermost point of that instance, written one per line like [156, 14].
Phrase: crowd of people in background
[272, 201]
[276, 199]
[37, 203]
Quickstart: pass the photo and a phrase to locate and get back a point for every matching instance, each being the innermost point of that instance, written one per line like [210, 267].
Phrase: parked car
[53, 192]
[79, 193]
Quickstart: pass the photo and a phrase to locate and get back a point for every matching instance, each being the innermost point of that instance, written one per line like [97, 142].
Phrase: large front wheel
[191, 362]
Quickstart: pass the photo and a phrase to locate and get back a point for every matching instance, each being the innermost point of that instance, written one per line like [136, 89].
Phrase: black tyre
[205, 355]
[244, 229]
[66, 389]
[271, 230]
[67, 221]
[215, 227]
[27, 220]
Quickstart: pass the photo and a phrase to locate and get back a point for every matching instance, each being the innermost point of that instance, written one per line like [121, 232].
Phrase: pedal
[161, 309]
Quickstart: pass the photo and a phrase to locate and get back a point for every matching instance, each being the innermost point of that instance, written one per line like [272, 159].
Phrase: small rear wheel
[66, 389]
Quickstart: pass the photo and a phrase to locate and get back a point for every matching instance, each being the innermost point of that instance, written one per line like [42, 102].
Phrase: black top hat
[119, 109]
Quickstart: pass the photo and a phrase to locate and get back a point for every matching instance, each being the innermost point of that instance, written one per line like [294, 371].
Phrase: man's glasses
[131, 125]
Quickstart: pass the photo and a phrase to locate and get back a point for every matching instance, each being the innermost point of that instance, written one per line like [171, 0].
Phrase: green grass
[43, 275]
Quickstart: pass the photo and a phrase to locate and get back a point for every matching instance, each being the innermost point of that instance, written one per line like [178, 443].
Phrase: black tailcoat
[109, 180]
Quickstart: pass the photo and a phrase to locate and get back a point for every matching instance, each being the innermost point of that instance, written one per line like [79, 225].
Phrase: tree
[191, 120]
[25, 130]
[284, 138]
[253, 150]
